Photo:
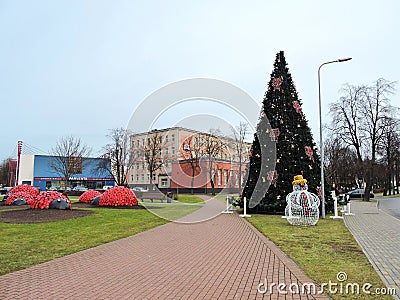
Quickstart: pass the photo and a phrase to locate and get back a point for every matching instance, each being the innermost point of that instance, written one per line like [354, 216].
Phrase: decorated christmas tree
[295, 149]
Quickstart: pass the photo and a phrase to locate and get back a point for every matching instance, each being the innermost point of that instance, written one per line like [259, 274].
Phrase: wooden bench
[153, 196]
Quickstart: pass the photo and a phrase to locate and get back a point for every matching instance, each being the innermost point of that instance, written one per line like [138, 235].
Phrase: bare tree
[359, 121]
[153, 153]
[347, 118]
[389, 148]
[192, 153]
[4, 172]
[117, 158]
[376, 109]
[212, 146]
[340, 163]
[240, 147]
[67, 157]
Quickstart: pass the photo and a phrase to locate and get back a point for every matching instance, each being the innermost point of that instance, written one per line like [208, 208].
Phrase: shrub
[43, 200]
[33, 191]
[20, 195]
[118, 196]
[88, 196]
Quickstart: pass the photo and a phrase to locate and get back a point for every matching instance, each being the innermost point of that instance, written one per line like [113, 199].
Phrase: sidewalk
[378, 234]
[222, 258]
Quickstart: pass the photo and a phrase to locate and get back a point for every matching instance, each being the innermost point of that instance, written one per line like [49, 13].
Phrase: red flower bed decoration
[44, 199]
[88, 196]
[23, 195]
[118, 196]
[33, 191]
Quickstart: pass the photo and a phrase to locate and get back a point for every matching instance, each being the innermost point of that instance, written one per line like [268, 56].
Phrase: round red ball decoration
[88, 196]
[23, 195]
[118, 196]
[43, 200]
[33, 191]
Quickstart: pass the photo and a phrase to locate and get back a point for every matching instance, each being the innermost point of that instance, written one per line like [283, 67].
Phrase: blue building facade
[45, 177]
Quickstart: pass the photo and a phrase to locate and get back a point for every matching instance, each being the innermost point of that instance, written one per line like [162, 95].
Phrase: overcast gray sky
[81, 67]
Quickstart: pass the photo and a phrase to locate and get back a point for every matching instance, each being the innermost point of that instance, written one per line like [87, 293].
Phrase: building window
[225, 177]
[138, 143]
[142, 142]
[166, 151]
[137, 177]
[143, 167]
[173, 150]
[132, 177]
[231, 176]
[237, 178]
[137, 166]
[160, 139]
[154, 177]
[219, 177]
[164, 182]
[148, 176]
[166, 138]
[173, 137]
[142, 177]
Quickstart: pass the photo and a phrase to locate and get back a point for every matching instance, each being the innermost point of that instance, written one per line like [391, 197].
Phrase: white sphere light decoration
[302, 206]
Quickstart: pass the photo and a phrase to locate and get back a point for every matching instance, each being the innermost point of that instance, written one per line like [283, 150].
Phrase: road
[391, 206]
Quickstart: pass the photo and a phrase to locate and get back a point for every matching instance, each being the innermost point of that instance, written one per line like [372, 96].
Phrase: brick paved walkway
[222, 258]
[378, 234]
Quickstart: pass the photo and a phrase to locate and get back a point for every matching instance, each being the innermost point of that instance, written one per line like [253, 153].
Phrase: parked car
[6, 189]
[359, 194]
[80, 188]
[107, 187]
[139, 189]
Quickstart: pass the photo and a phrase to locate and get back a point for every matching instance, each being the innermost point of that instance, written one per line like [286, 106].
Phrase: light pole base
[245, 216]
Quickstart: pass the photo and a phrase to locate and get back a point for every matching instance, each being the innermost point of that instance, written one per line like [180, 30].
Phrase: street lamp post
[320, 133]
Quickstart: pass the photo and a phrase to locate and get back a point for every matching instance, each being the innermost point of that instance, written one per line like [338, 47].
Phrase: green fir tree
[295, 149]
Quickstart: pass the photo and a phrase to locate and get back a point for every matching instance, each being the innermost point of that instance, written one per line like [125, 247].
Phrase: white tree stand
[229, 207]
[336, 216]
[245, 215]
[347, 209]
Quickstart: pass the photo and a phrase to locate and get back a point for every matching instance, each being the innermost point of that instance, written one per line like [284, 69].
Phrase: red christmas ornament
[276, 83]
[272, 177]
[319, 192]
[309, 153]
[273, 134]
[298, 108]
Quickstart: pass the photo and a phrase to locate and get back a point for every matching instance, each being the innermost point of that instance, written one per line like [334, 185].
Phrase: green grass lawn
[189, 199]
[322, 251]
[24, 245]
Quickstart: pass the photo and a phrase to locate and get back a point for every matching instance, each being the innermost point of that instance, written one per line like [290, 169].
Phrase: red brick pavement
[222, 258]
